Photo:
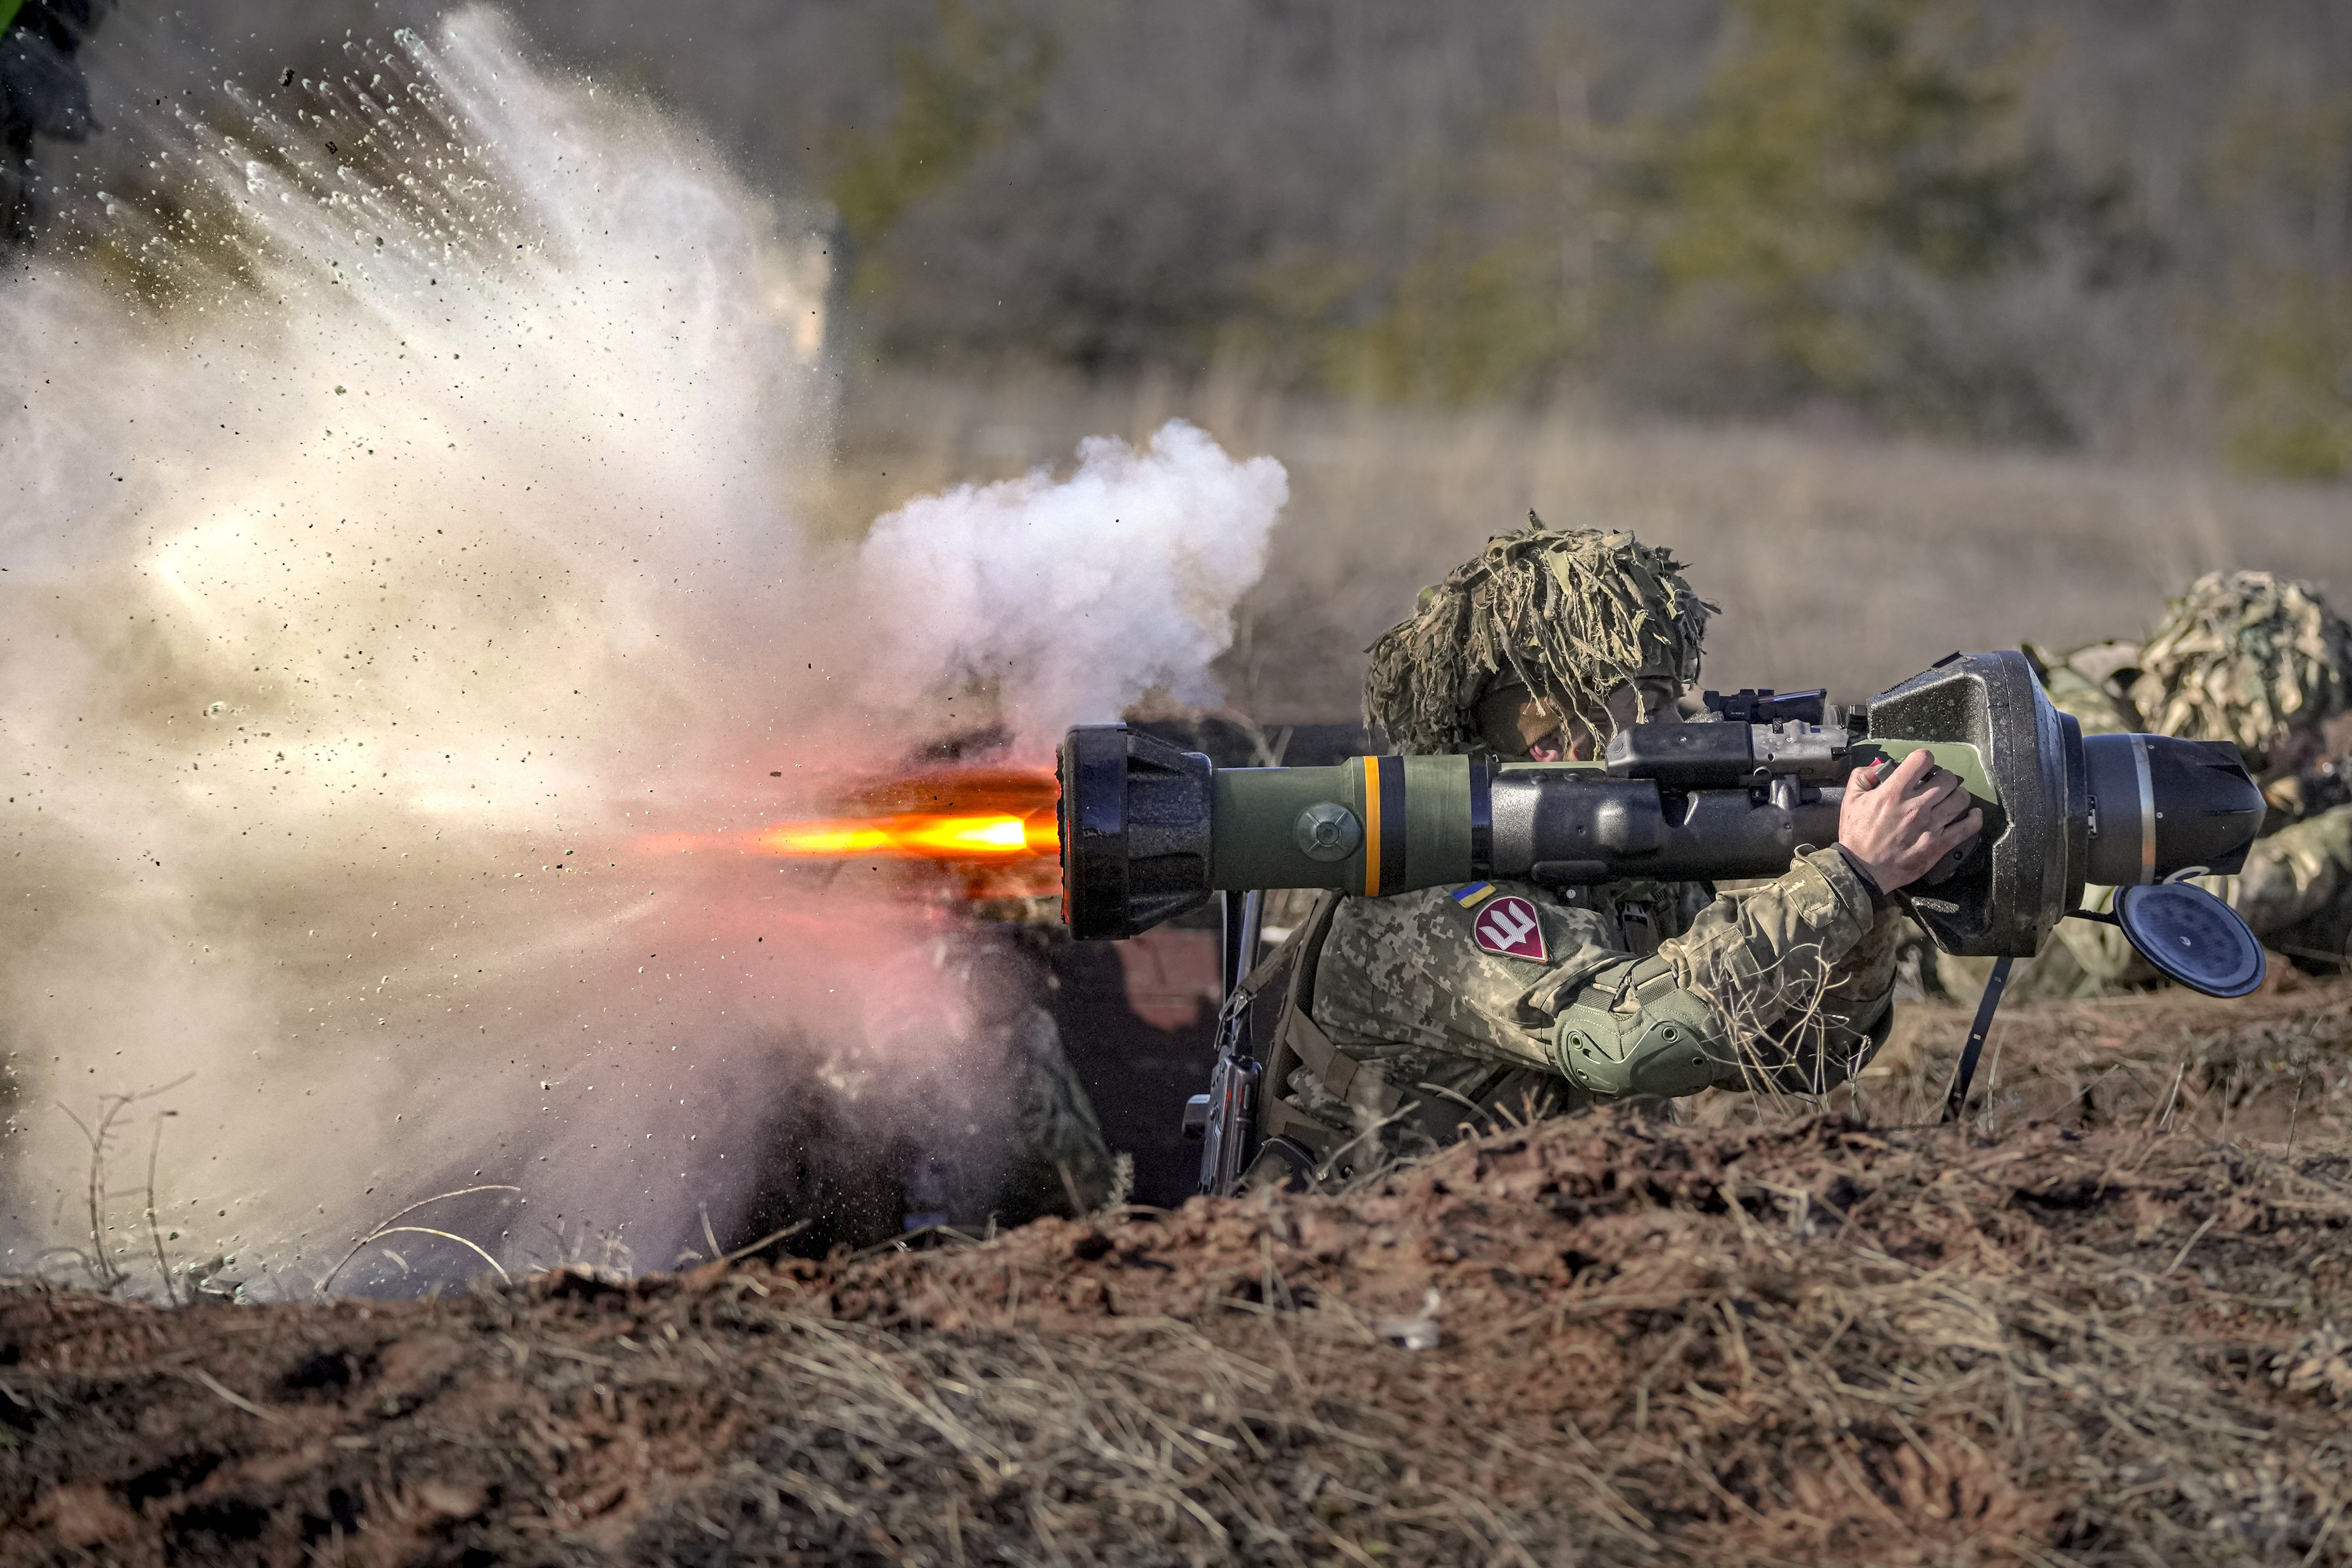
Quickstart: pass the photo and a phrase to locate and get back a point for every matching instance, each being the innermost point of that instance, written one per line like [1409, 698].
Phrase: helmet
[2244, 656]
[1568, 615]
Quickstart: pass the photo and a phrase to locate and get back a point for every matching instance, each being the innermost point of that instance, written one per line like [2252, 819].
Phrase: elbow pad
[1670, 1043]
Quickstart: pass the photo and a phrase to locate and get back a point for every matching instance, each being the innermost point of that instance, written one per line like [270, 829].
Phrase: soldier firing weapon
[1149, 832]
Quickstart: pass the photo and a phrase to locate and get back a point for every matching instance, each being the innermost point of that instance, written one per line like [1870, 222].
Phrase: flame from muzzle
[926, 835]
[983, 814]
[994, 825]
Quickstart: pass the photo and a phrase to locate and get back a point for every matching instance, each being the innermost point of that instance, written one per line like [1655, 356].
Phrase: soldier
[2245, 656]
[1409, 1019]
[1006, 1131]
[877, 1130]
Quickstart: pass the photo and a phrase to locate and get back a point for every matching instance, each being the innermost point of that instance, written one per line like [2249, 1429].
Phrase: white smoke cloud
[403, 546]
[1080, 594]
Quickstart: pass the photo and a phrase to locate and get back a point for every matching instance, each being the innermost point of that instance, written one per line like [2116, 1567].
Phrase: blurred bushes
[2123, 227]
[2281, 170]
[1850, 203]
[1459, 324]
[974, 82]
[1853, 171]
[2289, 382]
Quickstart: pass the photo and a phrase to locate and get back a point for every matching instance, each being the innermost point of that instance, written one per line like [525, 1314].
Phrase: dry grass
[1837, 562]
[2269, 1069]
[1807, 1341]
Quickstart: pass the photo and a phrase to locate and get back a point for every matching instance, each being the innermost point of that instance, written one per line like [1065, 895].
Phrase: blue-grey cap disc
[2193, 936]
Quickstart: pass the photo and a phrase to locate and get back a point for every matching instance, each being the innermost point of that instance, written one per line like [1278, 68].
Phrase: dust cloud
[396, 538]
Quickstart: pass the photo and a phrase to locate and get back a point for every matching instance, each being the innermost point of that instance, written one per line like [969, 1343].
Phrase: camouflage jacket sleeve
[2296, 872]
[1789, 980]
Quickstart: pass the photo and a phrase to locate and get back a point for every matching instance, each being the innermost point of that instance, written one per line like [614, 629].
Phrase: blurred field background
[1915, 324]
[1840, 561]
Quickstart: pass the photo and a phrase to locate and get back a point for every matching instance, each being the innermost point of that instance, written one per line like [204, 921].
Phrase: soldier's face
[1548, 738]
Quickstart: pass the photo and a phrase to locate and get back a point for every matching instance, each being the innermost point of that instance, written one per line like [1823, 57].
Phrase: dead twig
[154, 1229]
[200, 1376]
[390, 1228]
[765, 1242]
[2182, 1256]
[109, 1276]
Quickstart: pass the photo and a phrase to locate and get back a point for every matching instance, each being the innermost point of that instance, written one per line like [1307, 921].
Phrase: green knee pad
[1671, 1045]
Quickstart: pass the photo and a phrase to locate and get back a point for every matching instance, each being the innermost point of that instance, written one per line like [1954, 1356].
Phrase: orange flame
[918, 835]
[993, 826]
[986, 814]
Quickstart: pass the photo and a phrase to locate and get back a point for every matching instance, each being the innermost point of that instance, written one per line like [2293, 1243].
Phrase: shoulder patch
[1470, 898]
[1508, 926]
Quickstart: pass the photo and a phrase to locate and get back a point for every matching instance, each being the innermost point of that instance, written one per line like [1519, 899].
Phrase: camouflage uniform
[1055, 1160]
[2092, 683]
[1400, 1030]
[1002, 1129]
[867, 1133]
[2243, 656]
[1050, 1157]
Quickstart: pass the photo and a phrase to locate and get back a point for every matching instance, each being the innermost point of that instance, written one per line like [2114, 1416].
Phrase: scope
[1148, 831]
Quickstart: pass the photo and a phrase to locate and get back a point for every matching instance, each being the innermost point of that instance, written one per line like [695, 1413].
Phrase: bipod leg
[1956, 1100]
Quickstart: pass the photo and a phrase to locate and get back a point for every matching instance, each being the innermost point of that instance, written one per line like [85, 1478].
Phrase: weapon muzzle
[1135, 830]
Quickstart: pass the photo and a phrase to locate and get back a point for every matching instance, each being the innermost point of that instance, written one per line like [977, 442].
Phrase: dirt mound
[1602, 1339]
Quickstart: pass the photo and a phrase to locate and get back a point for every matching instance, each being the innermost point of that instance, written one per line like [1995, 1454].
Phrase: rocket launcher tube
[1391, 825]
[1370, 825]
[1148, 831]
[1375, 826]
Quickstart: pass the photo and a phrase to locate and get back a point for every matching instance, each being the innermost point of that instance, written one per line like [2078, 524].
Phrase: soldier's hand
[1899, 821]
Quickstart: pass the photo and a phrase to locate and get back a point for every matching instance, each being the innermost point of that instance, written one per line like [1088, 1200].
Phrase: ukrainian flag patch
[1471, 897]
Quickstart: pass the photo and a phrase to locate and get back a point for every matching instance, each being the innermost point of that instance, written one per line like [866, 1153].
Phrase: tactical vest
[1291, 1146]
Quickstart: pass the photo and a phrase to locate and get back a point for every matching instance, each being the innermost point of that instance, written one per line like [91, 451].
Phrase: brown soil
[1798, 1341]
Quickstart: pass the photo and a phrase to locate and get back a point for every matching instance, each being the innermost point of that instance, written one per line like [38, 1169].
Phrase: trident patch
[1508, 926]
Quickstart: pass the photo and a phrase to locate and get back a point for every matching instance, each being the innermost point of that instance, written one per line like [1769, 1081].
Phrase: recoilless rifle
[1150, 832]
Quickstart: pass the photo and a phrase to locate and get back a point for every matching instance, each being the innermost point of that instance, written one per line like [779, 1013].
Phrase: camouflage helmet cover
[2243, 656]
[1569, 613]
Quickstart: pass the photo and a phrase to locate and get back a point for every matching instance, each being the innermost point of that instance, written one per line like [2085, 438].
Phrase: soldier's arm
[2296, 872]
[1787, 985]
[1790, 978]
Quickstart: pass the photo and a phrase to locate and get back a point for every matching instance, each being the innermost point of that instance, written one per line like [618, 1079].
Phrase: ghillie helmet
[2244, 656]
[1570, 615]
